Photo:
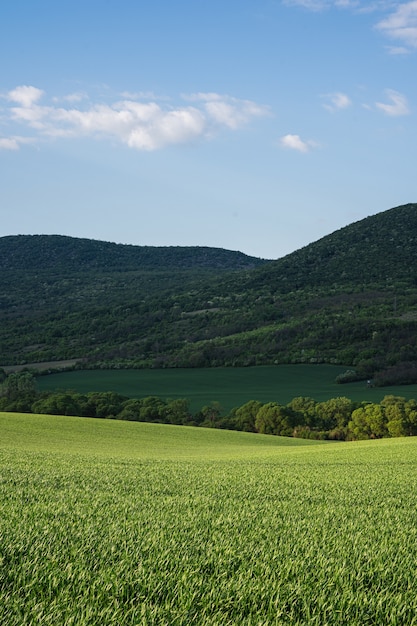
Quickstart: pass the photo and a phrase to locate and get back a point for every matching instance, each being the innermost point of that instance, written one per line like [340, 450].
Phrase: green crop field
[231, 387]
[117, 523]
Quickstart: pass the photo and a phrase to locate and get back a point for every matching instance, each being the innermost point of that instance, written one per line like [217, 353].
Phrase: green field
[115, 523]
[231, 387]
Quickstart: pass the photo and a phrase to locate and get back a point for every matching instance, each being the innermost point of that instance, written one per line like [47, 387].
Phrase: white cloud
[294, 142]
[164, 128]
[336, 101]
[228, 111]
[9, 143]
[13, 143]
[141, 125]
[398, 104]
[25, 95]
[402, 24]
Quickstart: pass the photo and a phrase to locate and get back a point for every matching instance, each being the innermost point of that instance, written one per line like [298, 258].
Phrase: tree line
[338, 419]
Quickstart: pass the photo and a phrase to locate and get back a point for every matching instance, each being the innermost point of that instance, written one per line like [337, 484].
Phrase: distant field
[230, 387]
[118, 524]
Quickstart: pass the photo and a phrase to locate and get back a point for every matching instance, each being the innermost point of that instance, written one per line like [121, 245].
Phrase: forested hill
[349, 298]
[381, 249]
[68, 254]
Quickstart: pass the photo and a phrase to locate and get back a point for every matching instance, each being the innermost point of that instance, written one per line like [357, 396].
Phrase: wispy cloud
[397, 50]
[72, 97]
[228, 111]
[311, 5]
[321, 5]
[336, 101]
[294, 142]
[397, 106]
[402, 24]
[13, 143]
[399, 23]
[137, 124]
[358, 6]
[144, 95]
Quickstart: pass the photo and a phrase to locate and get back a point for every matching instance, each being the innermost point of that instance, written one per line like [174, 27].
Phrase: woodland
[349, 299]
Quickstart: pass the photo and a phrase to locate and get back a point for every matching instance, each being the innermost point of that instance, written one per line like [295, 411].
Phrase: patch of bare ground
[41, 367]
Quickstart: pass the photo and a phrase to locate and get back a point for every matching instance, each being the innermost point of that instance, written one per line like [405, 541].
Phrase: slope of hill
[349, 298]
[378, 250]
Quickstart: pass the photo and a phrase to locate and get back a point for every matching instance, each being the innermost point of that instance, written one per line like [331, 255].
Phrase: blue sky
[251, 125]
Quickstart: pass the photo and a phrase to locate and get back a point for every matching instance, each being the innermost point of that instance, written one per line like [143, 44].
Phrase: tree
[209, 415]
[152, 409]
[358, 427]
[377, 420]
[19, 384]
[177, 411]
[65, 403]
[18, 391]
[131, 410]
[305, 409]
[395, 414]
[244, 416]
[401, 416]
[411, 413]
[368, 422]
[334, 413]
[274, 419]
[105, 403]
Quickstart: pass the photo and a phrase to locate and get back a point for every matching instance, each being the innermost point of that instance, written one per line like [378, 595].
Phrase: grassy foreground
[114, 523]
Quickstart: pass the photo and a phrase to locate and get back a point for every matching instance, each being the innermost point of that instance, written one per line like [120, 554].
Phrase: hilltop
[58, 253]
[348, 298]
[378, 250]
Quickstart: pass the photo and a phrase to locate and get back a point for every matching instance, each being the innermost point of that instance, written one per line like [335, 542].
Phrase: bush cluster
[335, 419]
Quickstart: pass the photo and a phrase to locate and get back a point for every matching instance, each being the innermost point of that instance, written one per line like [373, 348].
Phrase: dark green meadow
[231, 387]
[110, 523]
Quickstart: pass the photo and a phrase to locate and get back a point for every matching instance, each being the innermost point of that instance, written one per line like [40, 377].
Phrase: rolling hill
[349, 298]
[378, 250]
[58, 253]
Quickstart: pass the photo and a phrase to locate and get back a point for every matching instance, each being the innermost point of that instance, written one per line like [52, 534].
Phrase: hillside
[349, 298]
[61, 295]
[378, 250]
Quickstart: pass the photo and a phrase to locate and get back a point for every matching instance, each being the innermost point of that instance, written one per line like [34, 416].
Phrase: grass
[116, 524]
[231, 387]
[139, 441]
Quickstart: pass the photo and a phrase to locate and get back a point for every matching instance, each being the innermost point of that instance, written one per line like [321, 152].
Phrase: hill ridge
[359, 252]
[29, 252]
